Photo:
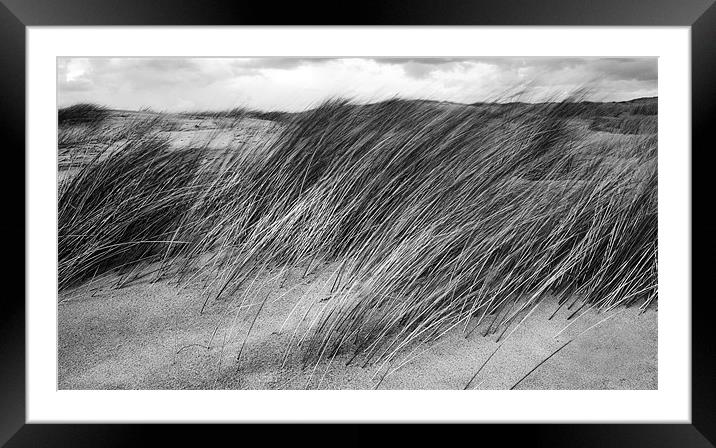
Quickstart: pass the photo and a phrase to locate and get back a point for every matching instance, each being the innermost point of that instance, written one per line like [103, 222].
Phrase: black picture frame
[699, 15]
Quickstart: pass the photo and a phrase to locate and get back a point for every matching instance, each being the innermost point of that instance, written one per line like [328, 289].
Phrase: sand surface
[153, 336]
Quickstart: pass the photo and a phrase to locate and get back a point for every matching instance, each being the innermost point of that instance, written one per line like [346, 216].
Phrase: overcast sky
[291, 84]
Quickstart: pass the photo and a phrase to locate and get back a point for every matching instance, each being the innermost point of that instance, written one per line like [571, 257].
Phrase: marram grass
[438, 216]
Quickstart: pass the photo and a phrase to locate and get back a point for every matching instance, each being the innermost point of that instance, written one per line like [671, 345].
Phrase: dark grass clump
[239, 113]
[123, 208]
[277, 116]
[627, 124]
[439, 218]
[83, 113]
[588, 109]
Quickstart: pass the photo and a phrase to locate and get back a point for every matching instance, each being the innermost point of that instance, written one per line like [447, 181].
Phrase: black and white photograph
[357, 223]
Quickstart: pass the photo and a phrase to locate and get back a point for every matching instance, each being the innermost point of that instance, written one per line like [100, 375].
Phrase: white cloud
[297, 83]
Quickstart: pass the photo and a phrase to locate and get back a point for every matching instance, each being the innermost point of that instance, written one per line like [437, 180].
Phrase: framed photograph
[413, 213]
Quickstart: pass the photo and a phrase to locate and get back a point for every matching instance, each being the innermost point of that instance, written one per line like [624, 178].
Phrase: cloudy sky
[291, 84]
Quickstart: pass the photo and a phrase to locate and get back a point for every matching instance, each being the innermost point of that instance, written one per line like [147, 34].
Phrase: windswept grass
[438, 217]
[123, 208]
